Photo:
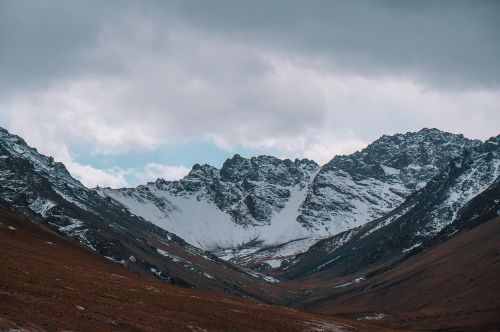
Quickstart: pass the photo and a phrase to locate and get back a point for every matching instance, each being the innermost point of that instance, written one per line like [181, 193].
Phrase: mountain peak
[6, 135]
[367, 184]
[430, 130]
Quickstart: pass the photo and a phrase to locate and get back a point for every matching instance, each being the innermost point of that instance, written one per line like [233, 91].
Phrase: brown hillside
[48, 283]
[452, 286]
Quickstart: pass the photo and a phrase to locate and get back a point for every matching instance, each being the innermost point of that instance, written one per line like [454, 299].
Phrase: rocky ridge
[461, 196]
[352, 190]
[41, 189]
[267, 200]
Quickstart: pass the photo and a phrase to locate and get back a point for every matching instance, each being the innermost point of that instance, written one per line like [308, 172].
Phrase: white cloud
[291, 104]
[154, 171]
[179, 84]
[92, 177]
[52, 143]
[325, 146]
[118, 177]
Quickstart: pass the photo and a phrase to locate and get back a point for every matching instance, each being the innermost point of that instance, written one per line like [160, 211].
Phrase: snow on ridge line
[187, 208]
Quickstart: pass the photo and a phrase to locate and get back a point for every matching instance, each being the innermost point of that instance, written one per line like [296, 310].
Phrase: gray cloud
[444, 43]
[449, 44]
[301, 79]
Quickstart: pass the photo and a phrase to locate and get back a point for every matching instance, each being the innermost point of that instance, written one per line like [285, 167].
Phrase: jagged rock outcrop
[353, 190]
[463, 195]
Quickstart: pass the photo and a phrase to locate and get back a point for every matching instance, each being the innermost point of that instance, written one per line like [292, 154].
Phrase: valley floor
[48, 283]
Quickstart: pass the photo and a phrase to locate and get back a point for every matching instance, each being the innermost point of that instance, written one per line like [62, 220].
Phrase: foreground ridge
[48, 283]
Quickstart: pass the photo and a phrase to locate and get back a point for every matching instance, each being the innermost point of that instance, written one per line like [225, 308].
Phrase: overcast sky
[124, 92]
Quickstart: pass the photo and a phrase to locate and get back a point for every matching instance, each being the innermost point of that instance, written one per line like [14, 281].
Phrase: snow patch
[202, 224]
[327, 263]
[416, 245]
[274, 263]
[208, 275]
[41, 206]
[378, 316]
[114, 260]
[390, 171]
[156, 272]
[172, 257]
[355, 281]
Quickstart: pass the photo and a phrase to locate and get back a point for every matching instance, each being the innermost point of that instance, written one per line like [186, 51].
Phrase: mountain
[408, 225]
[41, 189]
[353, 190]
[447, 286]
[268, 201]
[461, 196]
[430, 264]
[247, 200]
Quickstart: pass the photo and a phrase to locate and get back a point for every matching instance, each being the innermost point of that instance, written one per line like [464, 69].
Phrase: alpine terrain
[264, 201]
[402, 234]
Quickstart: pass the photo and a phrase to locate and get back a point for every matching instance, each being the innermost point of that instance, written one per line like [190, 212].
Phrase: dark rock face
[462, 196]
[347, 192]
[249, 190]
[44, 191]
[352, 190]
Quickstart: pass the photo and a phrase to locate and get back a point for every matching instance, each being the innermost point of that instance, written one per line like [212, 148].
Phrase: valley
[400, 235]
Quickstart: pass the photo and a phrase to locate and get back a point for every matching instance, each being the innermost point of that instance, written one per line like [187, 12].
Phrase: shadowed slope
[452, 286]
[50, 283]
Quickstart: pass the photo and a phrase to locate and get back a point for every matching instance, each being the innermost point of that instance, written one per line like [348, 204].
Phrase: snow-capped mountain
[400, 194]
[41, 189]
[270, 201]
[448, 186]
[247, 200]
[353, 190]
[464, 194]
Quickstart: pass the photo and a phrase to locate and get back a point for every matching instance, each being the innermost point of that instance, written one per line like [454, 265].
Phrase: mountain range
[272, 200]
[280, 231]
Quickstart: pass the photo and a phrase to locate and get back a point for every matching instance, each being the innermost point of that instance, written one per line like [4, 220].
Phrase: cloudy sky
[124, 92]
